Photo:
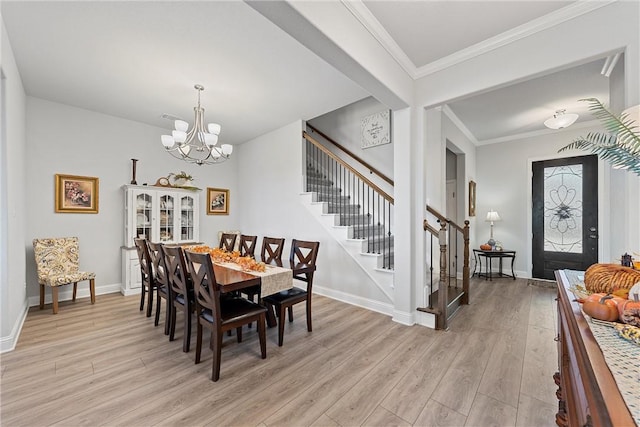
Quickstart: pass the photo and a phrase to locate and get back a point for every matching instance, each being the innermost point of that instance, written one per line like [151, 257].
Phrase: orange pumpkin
[606, 309]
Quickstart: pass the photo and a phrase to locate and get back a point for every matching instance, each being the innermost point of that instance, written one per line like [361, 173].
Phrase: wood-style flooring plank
[107, 364]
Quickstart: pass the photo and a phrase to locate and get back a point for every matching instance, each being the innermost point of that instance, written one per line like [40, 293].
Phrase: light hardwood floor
[108, 365]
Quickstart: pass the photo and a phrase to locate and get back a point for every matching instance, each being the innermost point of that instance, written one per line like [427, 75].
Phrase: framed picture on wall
[217, 201]
[472, 198]
[76, 194]
[376, 129]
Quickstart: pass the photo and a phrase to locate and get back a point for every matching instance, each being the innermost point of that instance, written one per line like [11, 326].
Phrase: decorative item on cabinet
[133, 174]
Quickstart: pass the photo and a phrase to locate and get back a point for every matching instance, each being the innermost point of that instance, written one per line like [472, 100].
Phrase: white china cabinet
[159, 214]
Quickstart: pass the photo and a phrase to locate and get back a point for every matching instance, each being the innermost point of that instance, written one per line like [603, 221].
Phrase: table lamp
[492, 216]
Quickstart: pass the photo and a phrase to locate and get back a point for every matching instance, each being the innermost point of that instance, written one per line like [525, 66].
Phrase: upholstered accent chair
[57, 262]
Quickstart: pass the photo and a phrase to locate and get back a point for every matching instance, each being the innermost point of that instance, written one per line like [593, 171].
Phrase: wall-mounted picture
[472, 198]
[76, 194]
[217, 201]
[376, 129]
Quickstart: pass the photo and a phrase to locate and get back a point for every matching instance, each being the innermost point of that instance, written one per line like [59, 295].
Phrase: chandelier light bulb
[167, 141]
[210, 139]
[181, 125]
[179, 136]
[214, 128]
[227, 149]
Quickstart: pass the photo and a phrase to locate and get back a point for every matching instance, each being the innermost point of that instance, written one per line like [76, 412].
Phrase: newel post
[443, 289]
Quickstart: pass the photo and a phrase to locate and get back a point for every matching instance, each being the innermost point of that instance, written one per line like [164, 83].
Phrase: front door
[565, 215]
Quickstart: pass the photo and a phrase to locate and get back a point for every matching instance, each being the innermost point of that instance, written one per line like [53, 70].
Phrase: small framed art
[76, 194]
[217, 201]
[472, 198]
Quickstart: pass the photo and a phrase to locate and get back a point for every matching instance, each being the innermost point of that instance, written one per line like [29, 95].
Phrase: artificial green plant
[620, 146]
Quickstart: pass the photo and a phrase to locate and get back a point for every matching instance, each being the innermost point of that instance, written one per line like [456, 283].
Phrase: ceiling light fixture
[561, 120]
[197, 145]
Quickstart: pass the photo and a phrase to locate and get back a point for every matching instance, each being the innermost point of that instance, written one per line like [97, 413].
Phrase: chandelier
[198, 145]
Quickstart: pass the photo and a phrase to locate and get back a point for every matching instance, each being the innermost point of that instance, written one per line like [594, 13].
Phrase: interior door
[565, 215]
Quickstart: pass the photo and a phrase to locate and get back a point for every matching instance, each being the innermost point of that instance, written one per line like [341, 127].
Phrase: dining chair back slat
[181, 292]
[162, 283]
[248, 245]
[148, 282]
[228, 241]
[272, 250]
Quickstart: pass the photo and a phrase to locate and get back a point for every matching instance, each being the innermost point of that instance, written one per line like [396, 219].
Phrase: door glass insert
[143, 216]
[563, 209]
[186, 218]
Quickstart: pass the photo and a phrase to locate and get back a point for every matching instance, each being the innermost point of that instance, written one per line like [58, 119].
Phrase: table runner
[274, 279]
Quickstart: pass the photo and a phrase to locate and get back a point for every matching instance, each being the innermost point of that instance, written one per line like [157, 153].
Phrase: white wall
[69, 140]
[343, 126]
[270, 185]
[13, 192]
[504, 184]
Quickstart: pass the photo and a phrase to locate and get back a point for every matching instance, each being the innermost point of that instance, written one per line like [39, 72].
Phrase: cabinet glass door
[186, 218]
[167, 211]
[143, 216]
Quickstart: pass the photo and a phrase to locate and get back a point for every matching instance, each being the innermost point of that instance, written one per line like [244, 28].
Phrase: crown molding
[373, 26]
[456, 121]
[541, 132]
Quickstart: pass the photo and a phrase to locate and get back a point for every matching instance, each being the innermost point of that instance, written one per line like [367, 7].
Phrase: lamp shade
[561, 120]
[492, 216]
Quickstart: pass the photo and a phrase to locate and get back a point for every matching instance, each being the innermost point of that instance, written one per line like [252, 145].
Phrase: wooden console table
[587, 391]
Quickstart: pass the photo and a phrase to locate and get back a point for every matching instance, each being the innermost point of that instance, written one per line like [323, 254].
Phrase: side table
[478, 254]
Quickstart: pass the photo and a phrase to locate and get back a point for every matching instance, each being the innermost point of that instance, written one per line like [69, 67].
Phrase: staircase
[356, 212]
[446, 294]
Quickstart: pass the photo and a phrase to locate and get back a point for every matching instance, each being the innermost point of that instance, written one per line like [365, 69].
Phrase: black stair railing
[359, 202]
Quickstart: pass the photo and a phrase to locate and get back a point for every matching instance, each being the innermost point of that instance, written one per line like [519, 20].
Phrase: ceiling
[140, 60]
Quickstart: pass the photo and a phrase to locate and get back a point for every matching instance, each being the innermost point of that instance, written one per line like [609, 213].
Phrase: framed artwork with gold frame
[217, 201]
[472, 198]
[76, 194]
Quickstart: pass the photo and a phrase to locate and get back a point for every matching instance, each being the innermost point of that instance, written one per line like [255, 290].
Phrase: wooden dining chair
[220, 314]
[148, 281]
[163, 289]
[303, 263]
[248, 245]
[228, 241]
[57, 264]
[271, 254]
[182, 298]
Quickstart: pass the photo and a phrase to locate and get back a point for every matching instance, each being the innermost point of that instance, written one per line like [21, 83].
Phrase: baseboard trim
[369, 304]
[9, 343]
[403, 318]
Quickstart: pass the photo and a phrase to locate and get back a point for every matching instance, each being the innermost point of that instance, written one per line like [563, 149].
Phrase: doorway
[564, 215]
